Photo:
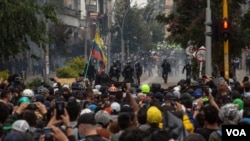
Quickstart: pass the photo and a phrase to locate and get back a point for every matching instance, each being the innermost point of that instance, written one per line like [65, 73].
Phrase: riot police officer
[128, 72]
[114, 72]
[138, 72]
[188, 69]
[166, 69]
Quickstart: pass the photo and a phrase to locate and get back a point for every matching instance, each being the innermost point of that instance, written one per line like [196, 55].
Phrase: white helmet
[28, 93]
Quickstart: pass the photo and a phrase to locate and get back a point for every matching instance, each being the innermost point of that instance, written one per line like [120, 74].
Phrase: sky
[141, 3]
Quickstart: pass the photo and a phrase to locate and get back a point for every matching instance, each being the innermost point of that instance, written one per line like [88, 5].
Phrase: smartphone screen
[59, 109]
[47, 132]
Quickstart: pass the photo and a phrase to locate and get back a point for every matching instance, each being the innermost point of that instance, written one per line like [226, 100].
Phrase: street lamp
[122, 38]
[83, 23]
[121, 27]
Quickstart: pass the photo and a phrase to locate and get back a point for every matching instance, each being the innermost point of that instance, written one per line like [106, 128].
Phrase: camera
[59, 108]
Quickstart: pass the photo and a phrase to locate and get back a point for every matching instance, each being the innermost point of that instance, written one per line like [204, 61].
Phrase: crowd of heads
[122, 112]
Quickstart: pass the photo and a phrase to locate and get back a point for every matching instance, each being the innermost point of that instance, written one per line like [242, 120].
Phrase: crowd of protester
[122, 112]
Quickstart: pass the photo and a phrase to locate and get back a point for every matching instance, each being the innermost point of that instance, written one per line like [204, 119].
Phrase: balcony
[65, 8]
[70, 12]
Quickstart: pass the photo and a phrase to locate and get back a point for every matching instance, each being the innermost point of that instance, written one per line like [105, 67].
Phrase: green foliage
[72, 68]
[4, 74]
[138, 28]
[186, 22]
[245, 28]
[34, 83]
[66, 72]
[23, 21]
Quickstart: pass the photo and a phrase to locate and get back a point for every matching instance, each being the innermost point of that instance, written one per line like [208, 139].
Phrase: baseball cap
[177, 94]
[39, 98]
[87, 118]
[66, 86]
[197, 93]
[24, 99]
[159, 96]
[92, 107]
[154, 115]
[21, 125]
[86, 110]
[240, 103]
[115, 107]
[97, 92]
[102, 117]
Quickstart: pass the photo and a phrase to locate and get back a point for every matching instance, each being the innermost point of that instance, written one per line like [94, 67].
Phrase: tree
[245, 28]
[139, 30]
[73, 68]
[23, 21]
[186, 22]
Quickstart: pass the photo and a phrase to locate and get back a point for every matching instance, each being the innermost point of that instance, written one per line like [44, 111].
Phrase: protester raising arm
[66, 121]
[132, 101]
[212, 101]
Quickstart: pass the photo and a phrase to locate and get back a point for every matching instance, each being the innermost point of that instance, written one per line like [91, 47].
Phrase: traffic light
[225, 29]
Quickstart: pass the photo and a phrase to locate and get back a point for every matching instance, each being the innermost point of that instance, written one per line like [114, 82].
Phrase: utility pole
[109, 12]
[225, 43]
[46, 75]
[208, 23]
[86, 35]
[121, 28]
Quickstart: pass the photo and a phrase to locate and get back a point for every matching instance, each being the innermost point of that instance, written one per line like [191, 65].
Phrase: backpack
[219, 132]
[216, 135]
[194, 122]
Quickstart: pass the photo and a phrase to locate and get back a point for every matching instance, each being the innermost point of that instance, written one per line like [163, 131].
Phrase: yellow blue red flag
[98, 51]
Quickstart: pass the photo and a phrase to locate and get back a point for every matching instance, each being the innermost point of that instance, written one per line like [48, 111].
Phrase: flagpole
[85, 73]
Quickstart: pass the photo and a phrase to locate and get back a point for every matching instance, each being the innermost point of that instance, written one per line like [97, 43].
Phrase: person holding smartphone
[56, 133]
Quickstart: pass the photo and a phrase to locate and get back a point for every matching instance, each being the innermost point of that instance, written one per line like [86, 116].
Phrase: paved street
[145, 79]
[240, 74]
[172, 79]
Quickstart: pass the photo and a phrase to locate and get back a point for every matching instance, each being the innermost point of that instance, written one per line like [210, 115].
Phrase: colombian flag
[97, 51]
